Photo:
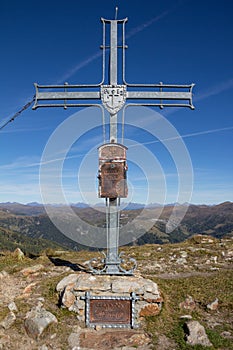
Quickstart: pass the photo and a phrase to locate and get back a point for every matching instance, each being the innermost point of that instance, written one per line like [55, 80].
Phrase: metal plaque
[110, 311]
[113, 182]
[112, 171]
[113, 97]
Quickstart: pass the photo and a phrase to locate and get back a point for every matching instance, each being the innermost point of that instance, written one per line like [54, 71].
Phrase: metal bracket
[112, 267]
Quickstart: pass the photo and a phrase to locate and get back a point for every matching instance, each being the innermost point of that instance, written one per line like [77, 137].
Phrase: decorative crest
[113, 97]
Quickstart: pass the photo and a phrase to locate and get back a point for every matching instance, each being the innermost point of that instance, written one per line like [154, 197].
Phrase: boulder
[72, 278]
[110, 339]
[213, 306]
[188, 303]
[68, 297]
[150, 310]
[87, 282]
[73, 341]
[8, 321]
[196, 334]
[19, 254]
[37, 320]
[4, 274]
[12, 306]
[32, 269]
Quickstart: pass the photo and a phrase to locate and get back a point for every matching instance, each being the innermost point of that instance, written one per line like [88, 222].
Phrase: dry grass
[203, 281]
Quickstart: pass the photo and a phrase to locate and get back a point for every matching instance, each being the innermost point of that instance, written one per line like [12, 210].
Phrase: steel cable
[26, 106]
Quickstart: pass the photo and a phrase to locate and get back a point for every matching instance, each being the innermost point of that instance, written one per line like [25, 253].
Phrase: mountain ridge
[33, 222]
[35, 208]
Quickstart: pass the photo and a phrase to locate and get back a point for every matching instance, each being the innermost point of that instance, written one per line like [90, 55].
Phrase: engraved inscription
[112, 171]
[113, 180]
[110, 311]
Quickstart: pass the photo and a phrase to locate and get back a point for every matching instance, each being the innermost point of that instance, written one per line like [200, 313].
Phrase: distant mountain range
[18, 221]
[35, 208]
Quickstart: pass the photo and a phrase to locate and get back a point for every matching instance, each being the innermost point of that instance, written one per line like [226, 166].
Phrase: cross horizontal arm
[87, 95]
[155, 95]
[45, 96]
[64, 95]
[113, 96]
[180, 93]
[185, 98]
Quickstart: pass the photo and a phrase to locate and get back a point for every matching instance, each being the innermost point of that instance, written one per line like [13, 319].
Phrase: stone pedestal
[73, 289]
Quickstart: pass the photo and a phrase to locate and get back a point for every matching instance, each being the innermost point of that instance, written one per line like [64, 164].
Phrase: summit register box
[112, 171]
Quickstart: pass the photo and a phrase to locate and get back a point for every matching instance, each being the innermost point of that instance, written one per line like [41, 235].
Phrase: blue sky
[178, 42]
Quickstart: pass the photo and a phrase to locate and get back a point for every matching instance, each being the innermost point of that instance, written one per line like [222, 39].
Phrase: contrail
[214, 90]
[10, 131]
[93, 57]
[80, 65]
[210, 131]
[144, 143]
[141, 27]
[133, 32]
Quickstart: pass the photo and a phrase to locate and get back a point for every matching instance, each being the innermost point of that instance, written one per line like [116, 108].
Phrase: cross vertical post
[112, 204]
[112, 96]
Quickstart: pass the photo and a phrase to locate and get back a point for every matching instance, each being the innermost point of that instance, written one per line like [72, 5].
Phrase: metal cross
[113, 97]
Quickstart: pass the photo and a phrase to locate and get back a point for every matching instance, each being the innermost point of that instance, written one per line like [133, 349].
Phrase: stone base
[73, 288]
[109, 339]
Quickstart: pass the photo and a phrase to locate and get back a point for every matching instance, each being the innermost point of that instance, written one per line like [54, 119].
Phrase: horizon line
[103, 204]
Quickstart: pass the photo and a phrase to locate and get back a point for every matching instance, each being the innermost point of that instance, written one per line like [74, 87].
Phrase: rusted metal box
[112, 171]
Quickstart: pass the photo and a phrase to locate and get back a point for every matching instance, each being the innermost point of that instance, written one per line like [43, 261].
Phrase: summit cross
[113, 94]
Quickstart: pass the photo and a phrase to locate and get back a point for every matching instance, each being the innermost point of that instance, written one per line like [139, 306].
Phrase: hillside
[22, 209]
[37, 229]
[11, 240]
[195, 278]
[32, 221]
[216, 220]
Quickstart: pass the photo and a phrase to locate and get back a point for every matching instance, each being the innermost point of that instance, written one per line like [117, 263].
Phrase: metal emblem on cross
[113, 96]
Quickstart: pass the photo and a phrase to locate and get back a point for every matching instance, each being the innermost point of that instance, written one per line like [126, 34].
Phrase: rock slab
[213, 306]
[90, 339]
[196, 334]
[37, 320]
[8, 321]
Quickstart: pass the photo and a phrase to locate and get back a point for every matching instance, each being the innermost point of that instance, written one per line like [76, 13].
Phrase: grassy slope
[201, 278]
[11, 240]
[203, 289]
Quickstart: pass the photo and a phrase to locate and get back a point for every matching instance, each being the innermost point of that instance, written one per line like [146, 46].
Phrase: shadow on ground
[74, 267]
